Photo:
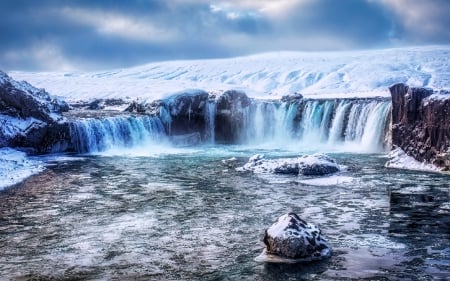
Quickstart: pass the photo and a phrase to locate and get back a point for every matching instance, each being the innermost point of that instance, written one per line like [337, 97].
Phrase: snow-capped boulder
[30, 118]
[291, 239]
[310, 165]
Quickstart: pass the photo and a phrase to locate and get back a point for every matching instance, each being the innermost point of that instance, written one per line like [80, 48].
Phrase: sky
[62, 35]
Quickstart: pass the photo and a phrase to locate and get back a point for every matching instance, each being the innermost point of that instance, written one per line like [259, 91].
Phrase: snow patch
[400, 160]
[16, 167]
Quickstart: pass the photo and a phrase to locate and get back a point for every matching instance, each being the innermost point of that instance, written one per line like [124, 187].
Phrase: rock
[421, 124]
[30, 118]
[310, 165]
[231, 107]
[184, 113]
[291, 239]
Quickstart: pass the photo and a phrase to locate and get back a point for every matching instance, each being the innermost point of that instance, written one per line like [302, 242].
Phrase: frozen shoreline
[400, 160]
[16, 167]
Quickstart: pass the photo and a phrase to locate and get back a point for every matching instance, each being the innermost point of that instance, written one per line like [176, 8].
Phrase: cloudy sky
[85, 34]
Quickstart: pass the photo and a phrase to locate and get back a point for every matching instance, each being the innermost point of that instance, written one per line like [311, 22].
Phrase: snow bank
[399, 160]
[16, 167]
[269, 75]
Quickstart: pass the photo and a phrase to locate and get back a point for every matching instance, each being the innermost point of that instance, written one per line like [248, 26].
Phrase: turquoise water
[184, 215]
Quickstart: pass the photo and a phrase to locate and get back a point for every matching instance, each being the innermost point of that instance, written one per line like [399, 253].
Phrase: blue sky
[81, 34]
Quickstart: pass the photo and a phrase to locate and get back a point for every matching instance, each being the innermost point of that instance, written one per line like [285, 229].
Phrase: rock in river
[291, 240]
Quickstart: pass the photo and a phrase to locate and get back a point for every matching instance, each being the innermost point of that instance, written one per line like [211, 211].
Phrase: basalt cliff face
[421, 124]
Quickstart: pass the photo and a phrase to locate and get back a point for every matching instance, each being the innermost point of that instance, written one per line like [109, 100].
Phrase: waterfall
[356, 123]
[210, 117]
[93, 135]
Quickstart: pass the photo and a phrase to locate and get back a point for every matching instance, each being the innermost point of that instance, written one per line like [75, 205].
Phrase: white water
[97, 135]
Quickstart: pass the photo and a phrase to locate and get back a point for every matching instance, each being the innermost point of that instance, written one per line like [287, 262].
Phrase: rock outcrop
[30, 118]
[291, 239]
[421, 124]
[231, 108]
[185, 113]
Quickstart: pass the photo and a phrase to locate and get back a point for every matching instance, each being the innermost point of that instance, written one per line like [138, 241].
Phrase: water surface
[186, 216]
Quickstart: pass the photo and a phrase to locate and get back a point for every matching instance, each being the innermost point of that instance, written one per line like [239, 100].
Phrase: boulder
[317, 164]
[291, 239]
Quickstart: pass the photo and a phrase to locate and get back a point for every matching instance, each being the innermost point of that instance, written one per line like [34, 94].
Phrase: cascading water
[358, 124]
[315, 123]
[210, 117]
[96, 135]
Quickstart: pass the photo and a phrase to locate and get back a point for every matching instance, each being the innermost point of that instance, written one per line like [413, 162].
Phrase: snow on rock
[291, 239]
[310, 165]
[269, 75]
[16, 166]
[400, 160]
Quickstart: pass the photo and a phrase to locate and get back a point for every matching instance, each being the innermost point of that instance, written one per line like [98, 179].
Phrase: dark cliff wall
[421, 124]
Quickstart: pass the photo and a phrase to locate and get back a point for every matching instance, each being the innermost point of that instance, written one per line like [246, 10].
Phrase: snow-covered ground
[270, 75]
[400, 160]
[16, 167]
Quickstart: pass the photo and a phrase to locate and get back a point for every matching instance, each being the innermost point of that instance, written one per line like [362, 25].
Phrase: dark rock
[184, 113]
[230, 116]
[30, 118]
[421, 124]
[293, 238]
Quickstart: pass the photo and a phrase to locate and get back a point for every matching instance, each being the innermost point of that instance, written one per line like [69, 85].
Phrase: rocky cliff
[30, 119]
[421, 124]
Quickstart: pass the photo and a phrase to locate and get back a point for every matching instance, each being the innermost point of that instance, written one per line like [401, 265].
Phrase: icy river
[182, 214]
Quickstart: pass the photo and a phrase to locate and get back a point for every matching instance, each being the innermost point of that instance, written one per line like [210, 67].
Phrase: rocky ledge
[421, 124]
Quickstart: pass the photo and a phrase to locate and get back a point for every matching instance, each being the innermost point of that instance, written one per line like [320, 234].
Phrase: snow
[271, 75]
[400, 160]
[16, 167]
[10, 126]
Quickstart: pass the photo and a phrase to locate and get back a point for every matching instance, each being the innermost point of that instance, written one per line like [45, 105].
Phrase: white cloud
[421, 18]
[110, 23]
[39, 53]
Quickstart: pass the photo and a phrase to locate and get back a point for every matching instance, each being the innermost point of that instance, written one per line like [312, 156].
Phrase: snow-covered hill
[318, 74]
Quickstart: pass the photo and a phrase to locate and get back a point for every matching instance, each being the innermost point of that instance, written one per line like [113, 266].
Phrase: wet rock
[291, 239]
[231, 107]
[309, 165]
[421, 124]
[184, 113]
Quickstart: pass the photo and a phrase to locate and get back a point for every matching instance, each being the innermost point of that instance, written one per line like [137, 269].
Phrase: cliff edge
[421, 124]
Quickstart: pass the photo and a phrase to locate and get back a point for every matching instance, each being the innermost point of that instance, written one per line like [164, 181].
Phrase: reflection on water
[188, 217]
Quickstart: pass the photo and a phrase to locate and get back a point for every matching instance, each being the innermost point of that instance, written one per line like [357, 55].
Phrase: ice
[270, 75]
[16, 167]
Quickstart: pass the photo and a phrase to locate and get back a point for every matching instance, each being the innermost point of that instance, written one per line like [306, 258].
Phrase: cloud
[40, 35]
[422, 20]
